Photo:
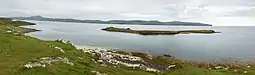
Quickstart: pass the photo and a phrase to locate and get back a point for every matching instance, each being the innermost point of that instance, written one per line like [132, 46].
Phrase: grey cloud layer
[165, 10]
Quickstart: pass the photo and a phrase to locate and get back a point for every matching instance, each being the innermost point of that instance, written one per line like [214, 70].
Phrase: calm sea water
[232, 42]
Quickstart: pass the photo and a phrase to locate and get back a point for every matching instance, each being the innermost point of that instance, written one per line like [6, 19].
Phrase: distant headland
[131, 22]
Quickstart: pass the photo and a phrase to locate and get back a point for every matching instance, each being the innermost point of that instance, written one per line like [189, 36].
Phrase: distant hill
[138, 22]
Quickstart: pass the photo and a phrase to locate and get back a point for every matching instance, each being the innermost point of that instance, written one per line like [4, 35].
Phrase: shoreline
[226, 64]
[30, 30]
[136, 60]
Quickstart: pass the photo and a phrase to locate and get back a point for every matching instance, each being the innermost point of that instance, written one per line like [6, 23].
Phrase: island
[156, 32]
[130, 22]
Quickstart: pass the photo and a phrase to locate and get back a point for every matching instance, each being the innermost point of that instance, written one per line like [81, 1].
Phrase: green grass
[17, 50]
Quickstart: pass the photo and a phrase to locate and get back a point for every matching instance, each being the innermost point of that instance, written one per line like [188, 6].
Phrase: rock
[42, 62]
[98, 73]
[219, 67]
[235, 70]
[100, 61]
[150, 56]
[16, 33]
[94, 71]
[226, 68]
[60, 49]
[152, 70]
[171, 66]
[248, 66]
[245, 72]
[103, 65]
[9, 31]
[93, 60]
[67, 61]
[33, 65]
[167, 55]
[64, 41]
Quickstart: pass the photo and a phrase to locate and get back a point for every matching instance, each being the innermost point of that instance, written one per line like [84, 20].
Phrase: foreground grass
[17, 50]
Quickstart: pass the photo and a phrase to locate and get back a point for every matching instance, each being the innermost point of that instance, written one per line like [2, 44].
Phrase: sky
[215, 12]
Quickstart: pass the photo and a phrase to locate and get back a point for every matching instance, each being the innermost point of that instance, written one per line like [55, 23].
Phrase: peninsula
[156, 32]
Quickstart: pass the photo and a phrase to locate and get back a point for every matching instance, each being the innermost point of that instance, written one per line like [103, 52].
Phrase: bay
[233, 41]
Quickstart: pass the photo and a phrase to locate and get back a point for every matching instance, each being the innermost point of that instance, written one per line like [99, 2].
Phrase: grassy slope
[17, 50]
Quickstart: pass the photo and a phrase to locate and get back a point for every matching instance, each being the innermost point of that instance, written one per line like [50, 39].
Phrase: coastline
[103, 61]
[210, 65]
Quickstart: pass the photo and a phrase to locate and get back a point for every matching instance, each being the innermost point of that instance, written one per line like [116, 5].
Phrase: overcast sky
[216, 12]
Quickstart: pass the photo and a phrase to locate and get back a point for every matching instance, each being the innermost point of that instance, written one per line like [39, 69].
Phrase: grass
[17, 50]
[156, 32]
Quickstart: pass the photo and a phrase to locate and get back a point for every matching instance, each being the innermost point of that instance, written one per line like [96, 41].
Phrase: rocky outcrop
[108, 56]
[45, 61]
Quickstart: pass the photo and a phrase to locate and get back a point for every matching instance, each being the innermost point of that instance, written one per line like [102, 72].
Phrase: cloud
[248, 12]
[208, 11]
